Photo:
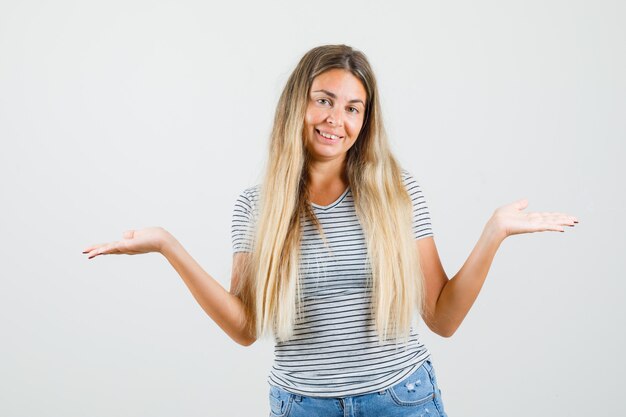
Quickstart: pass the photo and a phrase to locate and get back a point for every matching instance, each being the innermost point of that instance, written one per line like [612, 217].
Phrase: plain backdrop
[121, 115]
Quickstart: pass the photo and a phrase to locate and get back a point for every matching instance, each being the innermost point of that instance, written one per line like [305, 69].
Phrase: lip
[326, 140]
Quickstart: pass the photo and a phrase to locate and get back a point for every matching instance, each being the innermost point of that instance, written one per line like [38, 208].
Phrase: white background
[126, 114]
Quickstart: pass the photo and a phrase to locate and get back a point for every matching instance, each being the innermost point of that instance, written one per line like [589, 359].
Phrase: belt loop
[297, 398]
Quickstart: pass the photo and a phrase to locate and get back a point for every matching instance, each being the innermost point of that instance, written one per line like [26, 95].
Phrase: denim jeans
[416, 395]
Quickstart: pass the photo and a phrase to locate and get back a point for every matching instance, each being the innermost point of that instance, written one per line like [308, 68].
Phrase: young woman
[334, 255]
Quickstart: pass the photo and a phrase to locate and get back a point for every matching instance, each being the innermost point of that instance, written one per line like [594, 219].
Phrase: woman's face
[334, 114]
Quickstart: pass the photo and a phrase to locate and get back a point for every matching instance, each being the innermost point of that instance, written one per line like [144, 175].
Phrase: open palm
[512, 220]
[133, 242]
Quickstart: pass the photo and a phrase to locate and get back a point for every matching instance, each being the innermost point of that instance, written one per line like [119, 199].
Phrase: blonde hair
[269, 285]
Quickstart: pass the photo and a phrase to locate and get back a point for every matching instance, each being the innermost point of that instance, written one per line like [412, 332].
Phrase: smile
[328, 136]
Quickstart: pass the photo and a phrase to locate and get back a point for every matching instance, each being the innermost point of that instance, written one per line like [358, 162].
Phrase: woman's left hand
[512, 220]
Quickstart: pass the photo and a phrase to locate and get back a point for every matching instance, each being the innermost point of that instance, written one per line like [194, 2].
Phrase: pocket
[280, 402]
[433, 376]
[438, 401]
[431, 370]
[416, 389]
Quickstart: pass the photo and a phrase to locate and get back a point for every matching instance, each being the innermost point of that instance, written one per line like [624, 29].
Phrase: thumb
[521, 204]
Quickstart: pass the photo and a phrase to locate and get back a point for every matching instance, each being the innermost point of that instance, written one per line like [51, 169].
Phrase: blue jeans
[416, 395]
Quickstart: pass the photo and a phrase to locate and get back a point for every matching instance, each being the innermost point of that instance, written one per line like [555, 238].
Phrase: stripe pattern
[335, 351]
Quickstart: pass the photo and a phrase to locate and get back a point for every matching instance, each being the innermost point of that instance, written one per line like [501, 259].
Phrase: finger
[570, 220]
[92, 247]
[564, 219]
[560, 226]
[553, 228]
[93, 250]
[93, 253]
[103, 250]
[129, 234]
[565, 216]
[556, 218]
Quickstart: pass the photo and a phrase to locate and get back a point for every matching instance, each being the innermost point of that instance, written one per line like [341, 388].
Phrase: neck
[324, 174]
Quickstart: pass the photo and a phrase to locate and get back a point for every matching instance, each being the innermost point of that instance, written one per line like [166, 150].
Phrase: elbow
[245, 342]
[446, 332]
[449, 330]
[442, 330]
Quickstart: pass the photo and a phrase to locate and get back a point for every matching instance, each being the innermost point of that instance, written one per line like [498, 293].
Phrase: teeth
[329, 136]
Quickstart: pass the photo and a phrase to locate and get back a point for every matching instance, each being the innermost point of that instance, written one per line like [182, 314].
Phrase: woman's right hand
[133, 242]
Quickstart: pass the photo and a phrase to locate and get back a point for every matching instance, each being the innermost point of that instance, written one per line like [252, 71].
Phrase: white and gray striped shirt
[335, 351]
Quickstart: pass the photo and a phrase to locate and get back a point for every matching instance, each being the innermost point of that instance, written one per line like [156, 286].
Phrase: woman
[334, 255]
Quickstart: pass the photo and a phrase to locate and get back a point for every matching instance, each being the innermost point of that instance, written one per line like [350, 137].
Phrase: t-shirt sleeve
[243, 221]
[422, 226]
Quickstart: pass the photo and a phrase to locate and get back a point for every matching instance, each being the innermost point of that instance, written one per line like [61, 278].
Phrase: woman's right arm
[225, 308]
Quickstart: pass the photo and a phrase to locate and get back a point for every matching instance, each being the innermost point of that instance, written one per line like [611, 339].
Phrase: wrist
[494, 230]
[167, 241]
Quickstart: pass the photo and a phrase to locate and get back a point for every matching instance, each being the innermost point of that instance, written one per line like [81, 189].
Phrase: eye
[323, 101]
[353, 110]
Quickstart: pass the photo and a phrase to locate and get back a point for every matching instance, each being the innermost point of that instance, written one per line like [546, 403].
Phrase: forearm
[224, 308]
[460, 292]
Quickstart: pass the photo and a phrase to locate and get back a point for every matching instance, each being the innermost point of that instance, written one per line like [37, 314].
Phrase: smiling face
[334, 114]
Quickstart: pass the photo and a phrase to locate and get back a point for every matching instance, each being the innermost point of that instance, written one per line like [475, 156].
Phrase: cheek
[355, 128]
[314, 116]
[308, 118]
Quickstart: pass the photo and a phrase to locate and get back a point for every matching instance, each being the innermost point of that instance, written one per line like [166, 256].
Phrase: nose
[335, 117]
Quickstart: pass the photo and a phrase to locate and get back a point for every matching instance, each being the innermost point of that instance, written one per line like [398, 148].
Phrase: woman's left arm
[449, 300]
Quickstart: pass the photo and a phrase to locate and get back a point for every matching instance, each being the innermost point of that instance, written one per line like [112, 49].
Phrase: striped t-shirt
[335, 350]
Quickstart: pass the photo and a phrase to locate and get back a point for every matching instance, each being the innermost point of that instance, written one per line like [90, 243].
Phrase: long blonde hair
[269, 285]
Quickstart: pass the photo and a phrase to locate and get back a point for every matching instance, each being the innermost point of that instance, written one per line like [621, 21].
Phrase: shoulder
[410, 182]
[244, 219]
[250, 195]
[421, 216]
[247, 201]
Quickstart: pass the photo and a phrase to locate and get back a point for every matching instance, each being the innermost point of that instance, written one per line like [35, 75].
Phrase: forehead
[340, 82]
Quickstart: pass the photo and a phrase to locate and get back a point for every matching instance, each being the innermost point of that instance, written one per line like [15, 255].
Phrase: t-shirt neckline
[334, 203]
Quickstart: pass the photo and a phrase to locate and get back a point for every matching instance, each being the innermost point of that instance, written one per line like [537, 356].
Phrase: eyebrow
[333, 95]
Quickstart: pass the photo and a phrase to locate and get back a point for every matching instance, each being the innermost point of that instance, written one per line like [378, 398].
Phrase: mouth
[327, 137]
